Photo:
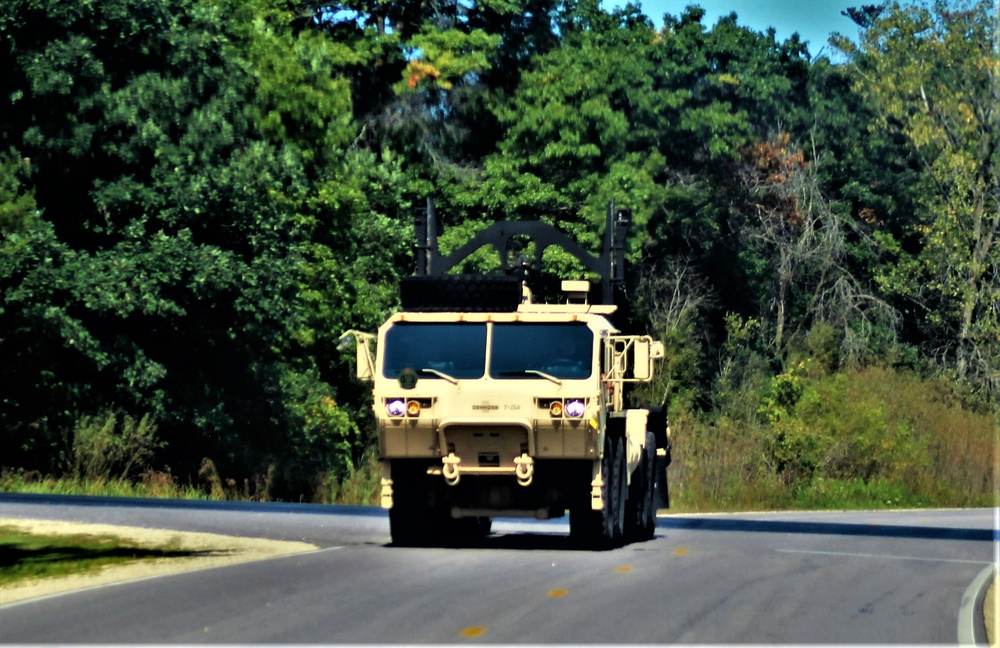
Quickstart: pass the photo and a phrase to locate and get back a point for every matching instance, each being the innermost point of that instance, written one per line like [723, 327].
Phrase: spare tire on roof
[464, 293]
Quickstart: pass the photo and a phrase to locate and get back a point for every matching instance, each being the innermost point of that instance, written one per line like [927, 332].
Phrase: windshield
[454, 349]
[523, 350]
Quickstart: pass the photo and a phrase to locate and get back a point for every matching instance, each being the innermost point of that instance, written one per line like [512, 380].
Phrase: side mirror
[365, 366]
[646, 350]
[642, 362]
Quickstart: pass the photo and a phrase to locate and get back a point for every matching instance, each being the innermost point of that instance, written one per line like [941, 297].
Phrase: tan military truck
[490, 403]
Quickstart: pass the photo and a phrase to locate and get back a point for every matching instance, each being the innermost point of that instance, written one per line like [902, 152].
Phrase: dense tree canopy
[932, 76]
[198, 196]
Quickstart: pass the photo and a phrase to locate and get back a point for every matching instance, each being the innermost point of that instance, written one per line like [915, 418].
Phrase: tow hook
[524, 469]
[450, 470]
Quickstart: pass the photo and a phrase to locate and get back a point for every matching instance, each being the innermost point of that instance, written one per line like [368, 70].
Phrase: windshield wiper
[442, 374]
[532, 372]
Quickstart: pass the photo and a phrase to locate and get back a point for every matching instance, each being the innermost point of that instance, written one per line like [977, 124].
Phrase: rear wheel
[649, 528]
[662, 495]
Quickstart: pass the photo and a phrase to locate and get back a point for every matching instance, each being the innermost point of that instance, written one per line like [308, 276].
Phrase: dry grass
[868, 438]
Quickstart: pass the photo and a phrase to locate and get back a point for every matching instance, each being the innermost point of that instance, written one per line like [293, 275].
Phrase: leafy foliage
[160, 277]
[933, 76]
[198, 196]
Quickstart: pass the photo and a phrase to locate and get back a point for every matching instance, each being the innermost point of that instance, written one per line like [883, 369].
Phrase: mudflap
[657, 424]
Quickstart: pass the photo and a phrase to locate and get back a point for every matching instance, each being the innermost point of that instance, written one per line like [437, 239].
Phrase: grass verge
[29, 556]
[61, 556]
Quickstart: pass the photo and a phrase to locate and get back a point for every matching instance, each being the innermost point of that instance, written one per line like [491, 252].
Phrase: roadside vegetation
[197, 197]
[809, 438]
[856, 439]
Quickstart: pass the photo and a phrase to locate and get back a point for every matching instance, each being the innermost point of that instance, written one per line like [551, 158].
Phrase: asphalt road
[803, 578]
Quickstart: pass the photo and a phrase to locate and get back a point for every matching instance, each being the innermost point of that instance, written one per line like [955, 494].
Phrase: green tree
[162, 275]
[18, 208]
[933, 75]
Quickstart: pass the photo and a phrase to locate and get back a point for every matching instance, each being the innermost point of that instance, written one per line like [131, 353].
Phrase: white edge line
[36, 599]
[967, 611]
[886, 557]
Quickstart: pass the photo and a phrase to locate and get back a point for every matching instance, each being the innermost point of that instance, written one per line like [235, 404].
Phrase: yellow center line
[472, 631]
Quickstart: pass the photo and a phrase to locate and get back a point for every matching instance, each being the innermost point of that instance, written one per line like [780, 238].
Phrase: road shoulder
[991, 613]
[214, 550]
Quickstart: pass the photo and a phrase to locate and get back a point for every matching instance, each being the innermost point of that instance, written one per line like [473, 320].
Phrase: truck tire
[620, 487]
[649, 527]
[466, 293]
[604, 529]
[484, 526]
[662, 496]
[463, 529]
[640, 516]
[410, 518]
[407, 525]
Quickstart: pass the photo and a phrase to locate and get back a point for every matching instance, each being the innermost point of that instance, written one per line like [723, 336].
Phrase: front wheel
[604, 528]
[410, 518]
[408, 524]
[641, 509]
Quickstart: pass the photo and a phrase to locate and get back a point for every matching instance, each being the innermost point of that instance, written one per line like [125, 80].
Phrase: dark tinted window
[559, 350]
[458, 350]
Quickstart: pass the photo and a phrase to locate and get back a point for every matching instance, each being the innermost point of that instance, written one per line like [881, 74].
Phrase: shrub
[882, 432]
[101, 448]
[360, 485]
[860, 438]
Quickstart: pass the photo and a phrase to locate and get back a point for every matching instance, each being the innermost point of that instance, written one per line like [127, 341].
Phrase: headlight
[395, 407]
[575, 408]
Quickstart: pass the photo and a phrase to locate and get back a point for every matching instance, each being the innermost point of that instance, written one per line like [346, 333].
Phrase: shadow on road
[826, 528]
[204, 505]
[563, 542]
[526, 541]
[536, 540]
[517, 541]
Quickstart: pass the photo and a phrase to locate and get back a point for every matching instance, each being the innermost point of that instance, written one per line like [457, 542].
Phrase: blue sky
[812, 19]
